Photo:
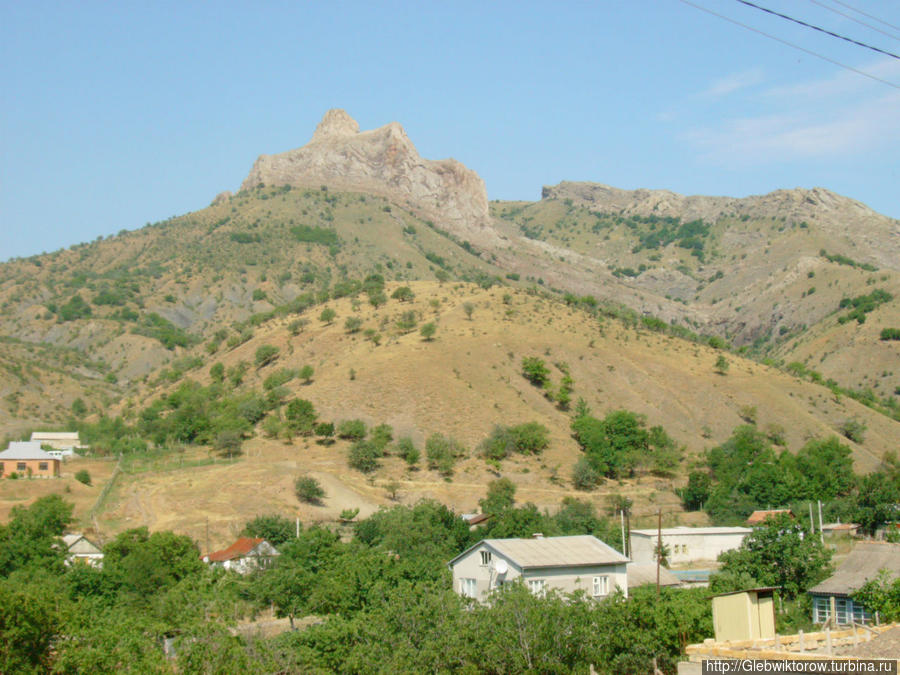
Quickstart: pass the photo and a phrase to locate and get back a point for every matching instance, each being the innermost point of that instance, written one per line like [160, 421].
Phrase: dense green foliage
[778, 553]
[863, 304]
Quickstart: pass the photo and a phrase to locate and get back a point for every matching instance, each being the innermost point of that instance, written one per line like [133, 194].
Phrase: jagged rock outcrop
[384, 162]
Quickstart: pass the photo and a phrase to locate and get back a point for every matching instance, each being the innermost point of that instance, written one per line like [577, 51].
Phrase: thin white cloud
[843, 82]
[733, 82]
[864, 127]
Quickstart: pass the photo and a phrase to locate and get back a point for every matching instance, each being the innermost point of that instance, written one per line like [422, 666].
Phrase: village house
[59, 444]
[81, 550]
[26, 459]
[832, 597]
[565, 564]
[686, 544]
[244, 556]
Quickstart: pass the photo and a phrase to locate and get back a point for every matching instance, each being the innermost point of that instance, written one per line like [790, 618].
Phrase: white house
[566, 564]
[244, 555]
[60, 443]
[687, 544]
[80, 550]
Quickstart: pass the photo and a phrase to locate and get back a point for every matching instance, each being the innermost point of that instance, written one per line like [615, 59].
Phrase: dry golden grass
[463, 383]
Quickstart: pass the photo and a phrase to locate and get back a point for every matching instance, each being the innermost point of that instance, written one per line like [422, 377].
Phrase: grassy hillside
[462, 383]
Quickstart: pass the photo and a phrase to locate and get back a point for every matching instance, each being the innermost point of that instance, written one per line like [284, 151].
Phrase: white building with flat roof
[687, 544]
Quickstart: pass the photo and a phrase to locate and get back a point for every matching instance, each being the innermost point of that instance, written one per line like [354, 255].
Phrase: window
[601, 586]
[467, 588]
[821, 609]
[485, 558]
[42, 466]
[20, 466]
[536, 586]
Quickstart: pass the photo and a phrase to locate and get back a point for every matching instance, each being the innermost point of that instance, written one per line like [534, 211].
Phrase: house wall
[21, 467]
[684, 547]
[563, 579]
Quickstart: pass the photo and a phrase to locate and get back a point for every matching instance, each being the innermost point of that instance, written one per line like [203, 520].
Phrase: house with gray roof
[567, 564]
[27, 459]
[832, 597]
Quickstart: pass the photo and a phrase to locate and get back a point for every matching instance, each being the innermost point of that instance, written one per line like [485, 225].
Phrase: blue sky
[117, 114]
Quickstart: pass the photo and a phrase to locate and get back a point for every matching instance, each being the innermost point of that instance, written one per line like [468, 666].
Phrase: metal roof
[640, 574]
[25, 450]
[574, 551]
[674, 531]
[862, 565]
[54, 436]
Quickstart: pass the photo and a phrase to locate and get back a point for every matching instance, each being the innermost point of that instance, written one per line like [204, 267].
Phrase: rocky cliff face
[384, 162]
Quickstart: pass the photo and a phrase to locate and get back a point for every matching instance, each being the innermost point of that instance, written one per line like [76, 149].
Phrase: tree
[469, 309]
[535, 371]
[265, 355]
[353, 430]
[363, 456]
[83, 476]
[584, 475]
[779, 553]
[300, 415]
[407, 321]
[442, 453]
[854, 429]
[501, 495]
[326, 431]
[228, 442]
[428, 330]
[79, 409]
[353, 324]
[407, 451]
[403, 294]
[274, 528]
[721, 366]
[217, 372]
[306, 373]
[308, 490]
[327, 315]
[696, 492]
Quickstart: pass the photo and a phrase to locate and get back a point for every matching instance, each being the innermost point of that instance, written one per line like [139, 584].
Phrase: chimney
[537, 535]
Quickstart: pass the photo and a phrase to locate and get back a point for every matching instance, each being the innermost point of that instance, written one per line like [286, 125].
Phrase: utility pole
[207, 535]
[821, 533]
[622, 523]
[812, 522]
[658, 547]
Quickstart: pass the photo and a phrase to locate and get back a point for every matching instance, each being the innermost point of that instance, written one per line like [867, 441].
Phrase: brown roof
[759, 516]
[238, 549]
[863, 564]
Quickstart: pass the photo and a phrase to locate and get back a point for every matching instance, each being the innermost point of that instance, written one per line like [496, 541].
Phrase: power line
[859, 11]
[821, 30]
[791, 44]
[854, 19]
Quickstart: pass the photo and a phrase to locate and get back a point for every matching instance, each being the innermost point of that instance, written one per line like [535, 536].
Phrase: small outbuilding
[243, 556]
[58, 443]
[27, 459]
[744, 615]
[759, 517]
[566, 564]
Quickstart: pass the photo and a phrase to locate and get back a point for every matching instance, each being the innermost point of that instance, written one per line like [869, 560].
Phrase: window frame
[485, 557]
[600, 586]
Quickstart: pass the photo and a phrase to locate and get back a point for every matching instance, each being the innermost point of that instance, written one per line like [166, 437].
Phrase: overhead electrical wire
[821, 30]
[854, 19]
[859, 11]
[791, 44]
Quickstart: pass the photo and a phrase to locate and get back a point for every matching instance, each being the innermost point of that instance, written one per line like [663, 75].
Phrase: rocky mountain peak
[383, 162]
[336, 124]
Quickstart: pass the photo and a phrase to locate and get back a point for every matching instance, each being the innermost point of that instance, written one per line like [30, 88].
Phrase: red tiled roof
[238, 549]
[759, 516]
